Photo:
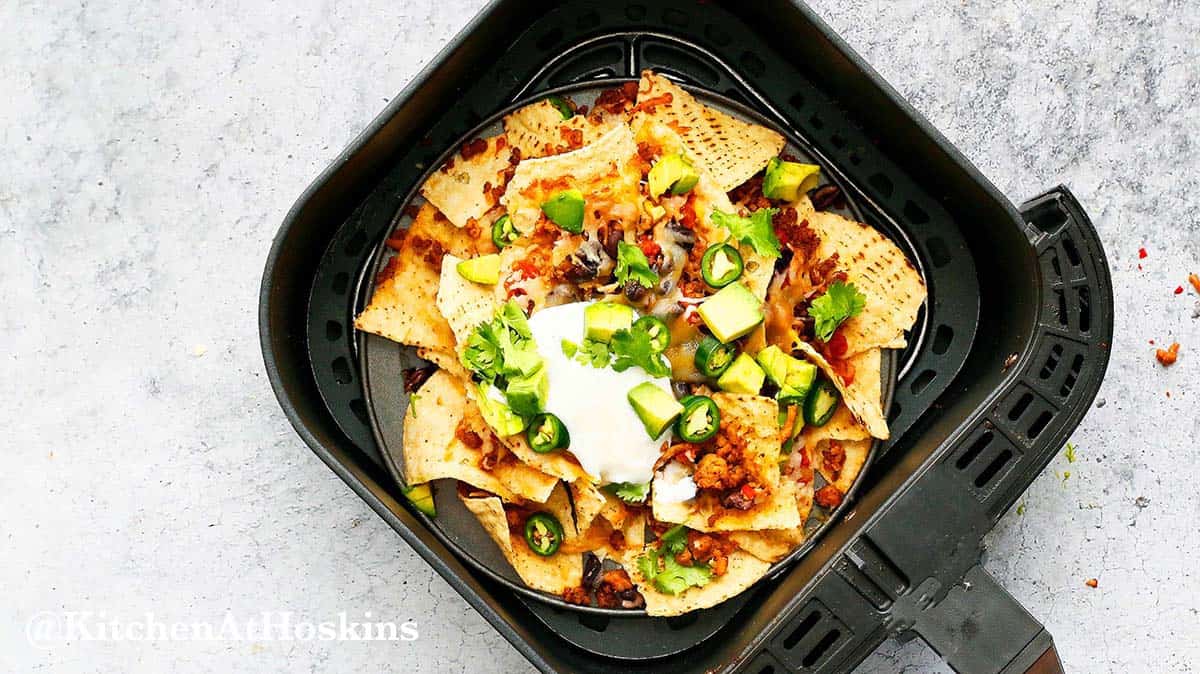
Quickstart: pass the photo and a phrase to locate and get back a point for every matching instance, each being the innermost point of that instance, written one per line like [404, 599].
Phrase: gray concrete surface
[151, 150]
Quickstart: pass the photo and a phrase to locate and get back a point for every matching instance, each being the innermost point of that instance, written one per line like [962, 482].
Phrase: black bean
[591, 569]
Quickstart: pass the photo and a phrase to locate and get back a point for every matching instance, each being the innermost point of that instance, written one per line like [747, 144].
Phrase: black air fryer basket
[1006, 359]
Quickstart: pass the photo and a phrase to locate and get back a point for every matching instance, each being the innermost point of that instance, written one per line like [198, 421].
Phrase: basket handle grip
[979, 628]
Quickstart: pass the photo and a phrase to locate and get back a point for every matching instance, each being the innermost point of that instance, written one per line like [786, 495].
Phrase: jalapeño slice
[713, 357]
[562, 106]
[659, 333]
[547, 433]
[721, 265]
[503, 231]
[821, 403]
[700, 419]
[543, 533]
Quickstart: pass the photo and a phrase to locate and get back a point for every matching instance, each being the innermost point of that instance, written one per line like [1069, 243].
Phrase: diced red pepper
[650, 247]
[1179, 290]
[837, 345]
[1141, 253]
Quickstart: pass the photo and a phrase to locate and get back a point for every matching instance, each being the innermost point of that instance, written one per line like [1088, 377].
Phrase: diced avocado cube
[787, 180]
[602, 319]
[498, 414]
[484, 269]
[732, 312]
[565, 209]
[775, 363]
[421, 496]
[655, 406]
[799, 382]
[673, 172]
[744, 376]
[527, 394]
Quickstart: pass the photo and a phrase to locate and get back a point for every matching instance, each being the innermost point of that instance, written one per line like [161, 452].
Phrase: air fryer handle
[979, 628]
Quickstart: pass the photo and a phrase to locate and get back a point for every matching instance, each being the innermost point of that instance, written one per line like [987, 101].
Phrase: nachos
[655, 357]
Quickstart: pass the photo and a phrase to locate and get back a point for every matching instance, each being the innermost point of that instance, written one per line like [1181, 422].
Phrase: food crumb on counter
[1168, 356]
[1092, 582]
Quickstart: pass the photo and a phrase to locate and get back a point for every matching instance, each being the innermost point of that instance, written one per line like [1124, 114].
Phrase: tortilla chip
[732, 150]
[864, 396]
[432, 451]
[445, 360]
[457, 189]
[551, 574]
[605, 171]
[589, 502]
[463, 304]
[772, 545]
[841, 426]
[758, 417]
[402, 307]
[879, 270]
[559, 464]
[856, 456]
[743, 571]
[538, 129]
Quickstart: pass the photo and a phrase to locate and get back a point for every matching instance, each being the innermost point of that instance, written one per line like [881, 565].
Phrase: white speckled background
[151, 150]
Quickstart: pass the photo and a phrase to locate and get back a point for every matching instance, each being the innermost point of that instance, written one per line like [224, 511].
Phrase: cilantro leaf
[591, 352]
[633, 347]
[632, 265]
[667, 575]
[482, 355]
[840, 302]
[675, 577]
[630, 492]
[755, 231]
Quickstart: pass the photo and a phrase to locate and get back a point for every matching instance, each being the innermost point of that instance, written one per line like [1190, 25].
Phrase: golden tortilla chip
[551, 574]
[445, 360]
[605, 171]
[879, 270]
[589, 500]
[463, 304]
[841, 426]
[757, 421]
[432, 450]
[732, 150]
[457, 189]
[538, 129]
[772, 545]
[856, 452]
[402, 307]
[864, 395]
[559, 464]
[743, 571]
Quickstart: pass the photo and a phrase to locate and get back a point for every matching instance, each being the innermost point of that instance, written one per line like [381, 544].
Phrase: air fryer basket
[972, 426]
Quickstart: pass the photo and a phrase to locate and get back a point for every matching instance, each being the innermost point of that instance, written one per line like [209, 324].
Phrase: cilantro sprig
[755, 231]
[669, 576]
[840, 302]
[502, 351]
[634, 347]
[632, 265]
[630, 492]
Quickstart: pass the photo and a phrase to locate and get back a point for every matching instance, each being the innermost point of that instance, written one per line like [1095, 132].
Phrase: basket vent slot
[1061, 297]
[915, 214]
[1085, 309]
[752, 64]
[942, 338]
[810, 621]
[797, 100]
[882, 183]
[872, 573]
[1072, 252]
[333, 331]
[341, 370]
[938, 253]
[973, 450]
[1072, 376]
[814, 637]
[595, 623]
[1022, 404]
[714, 33]
[341, 283]
[1035, 429]
[1052, 361]
[1054, 264]
[921, 381]
[816, 122]
[992, 469]
[1048, 217]
[359, 408]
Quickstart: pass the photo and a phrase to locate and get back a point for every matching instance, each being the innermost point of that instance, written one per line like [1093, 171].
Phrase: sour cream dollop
[607, 437]
[674, 484]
